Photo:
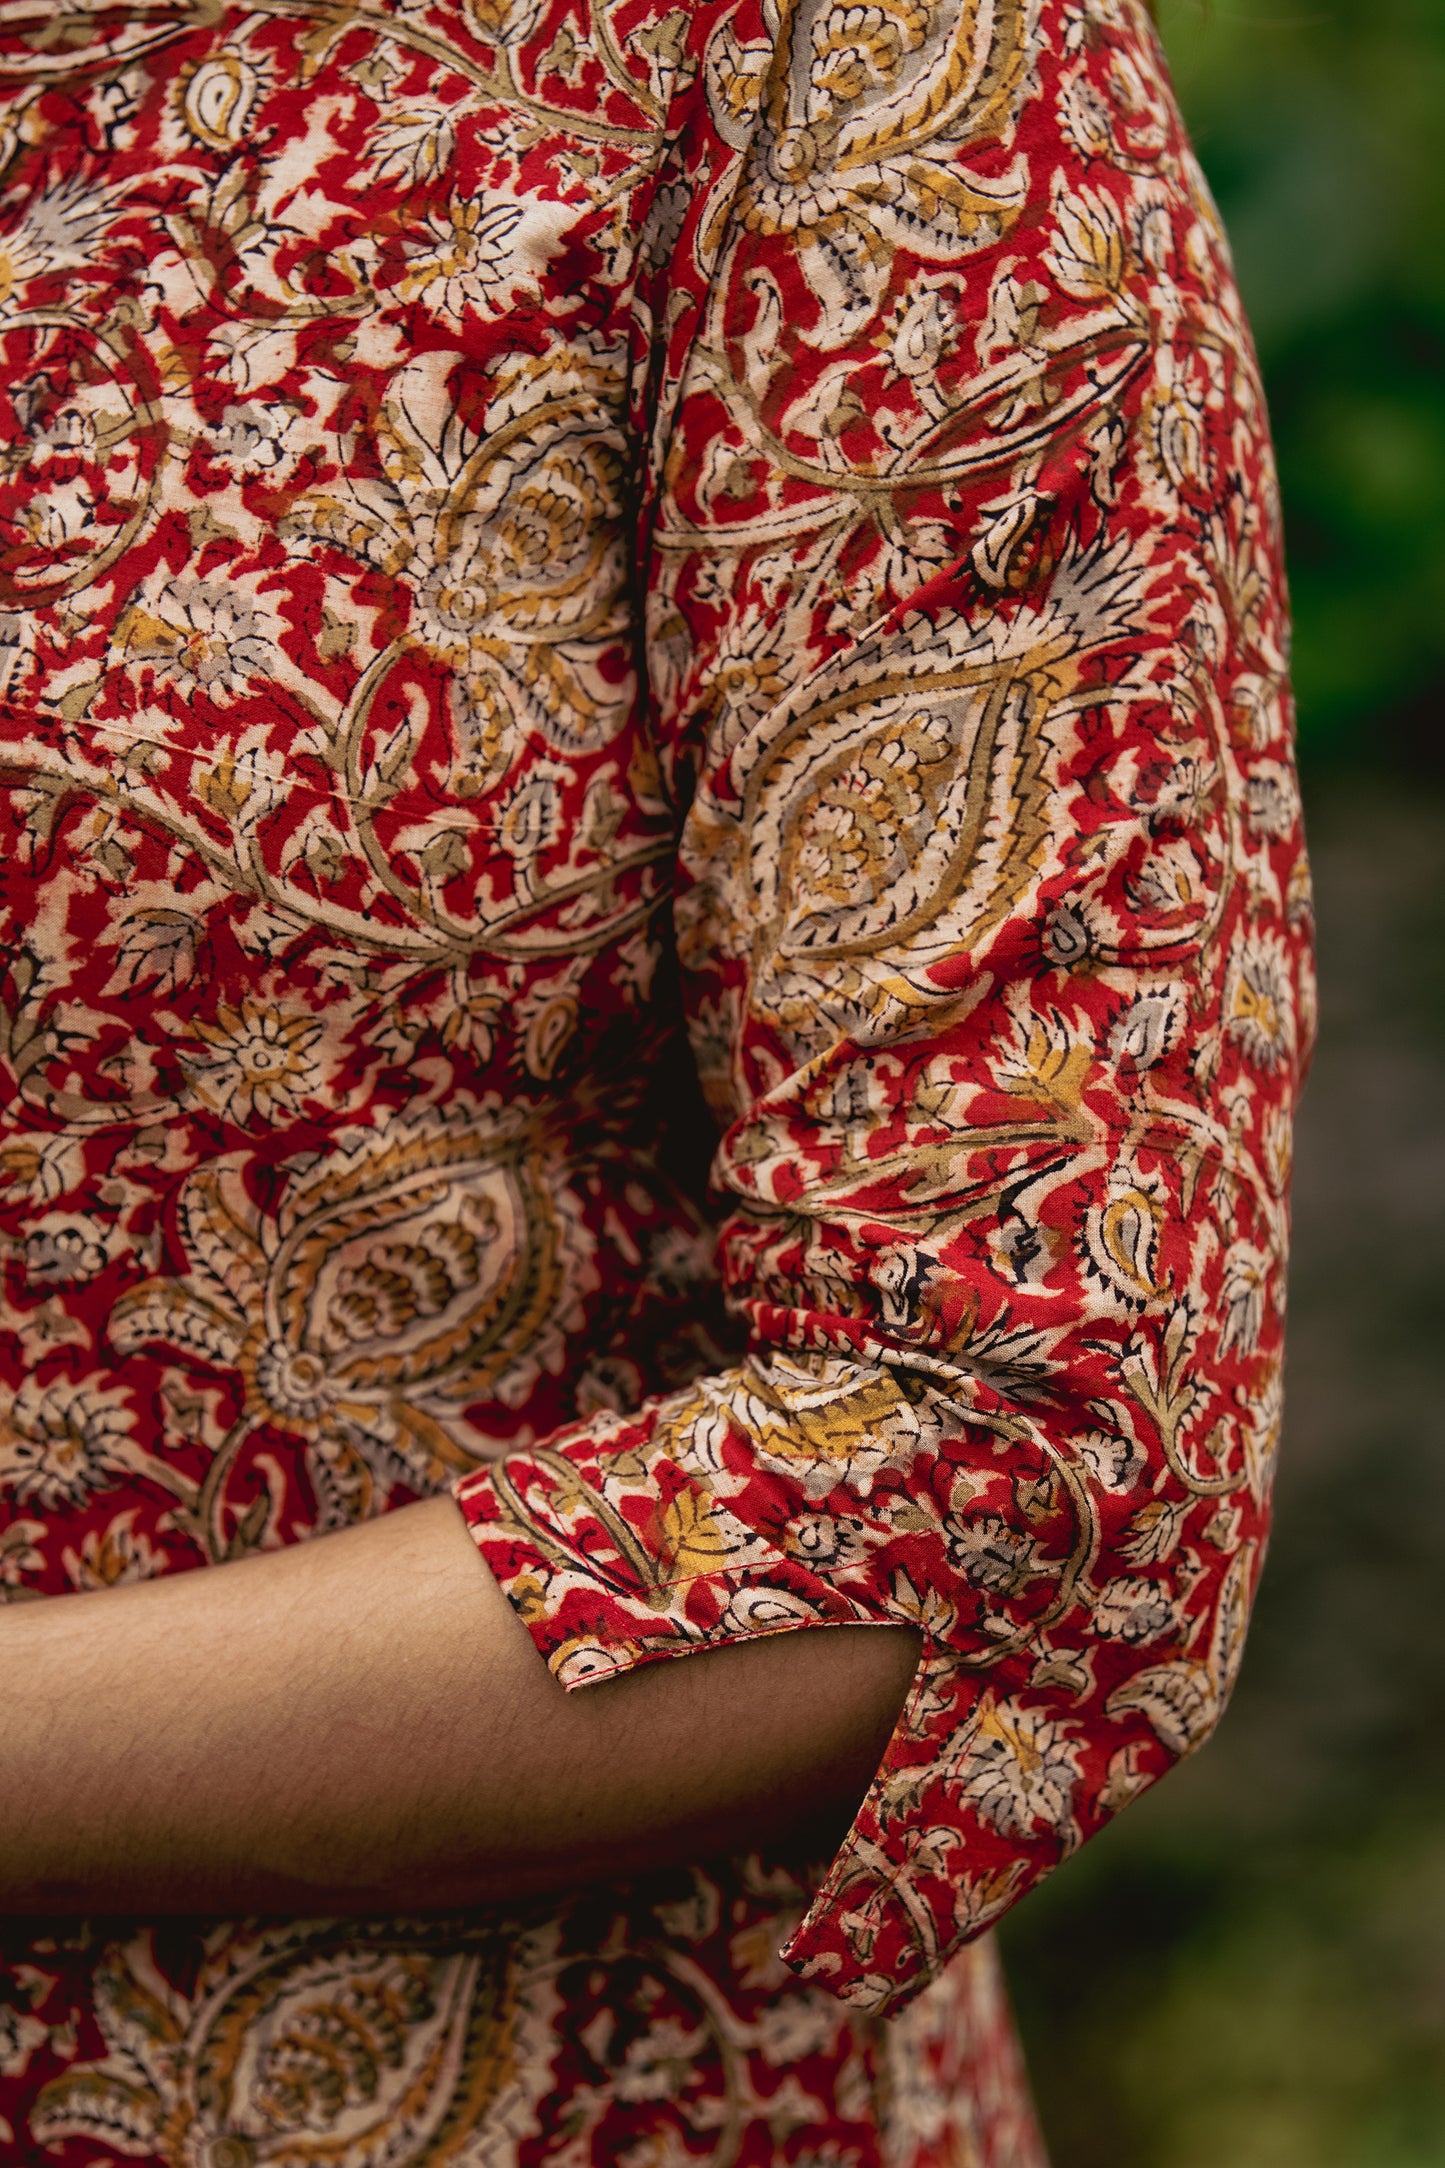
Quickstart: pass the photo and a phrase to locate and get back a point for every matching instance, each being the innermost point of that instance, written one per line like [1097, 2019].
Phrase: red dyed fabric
[593, 593]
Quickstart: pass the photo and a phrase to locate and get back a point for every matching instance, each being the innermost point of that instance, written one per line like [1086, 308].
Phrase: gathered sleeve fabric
[965, 640]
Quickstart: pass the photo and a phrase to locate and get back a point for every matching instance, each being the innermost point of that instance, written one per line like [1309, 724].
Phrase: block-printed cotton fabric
[553, 552]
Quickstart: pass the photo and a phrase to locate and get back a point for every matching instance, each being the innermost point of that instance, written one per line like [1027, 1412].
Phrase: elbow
[1182, 1698]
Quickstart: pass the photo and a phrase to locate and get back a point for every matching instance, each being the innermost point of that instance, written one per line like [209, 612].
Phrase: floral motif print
[403, 2042]
[550, 554]
[62, 1442]
[255, 1062]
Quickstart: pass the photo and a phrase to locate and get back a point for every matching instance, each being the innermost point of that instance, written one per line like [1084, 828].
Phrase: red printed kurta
[649, 868]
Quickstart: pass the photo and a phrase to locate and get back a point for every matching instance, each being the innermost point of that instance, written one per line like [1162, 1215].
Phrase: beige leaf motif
[157, 949]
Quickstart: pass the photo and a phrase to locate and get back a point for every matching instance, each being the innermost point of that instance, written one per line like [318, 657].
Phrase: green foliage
[1319, 123]
[1286, 2017]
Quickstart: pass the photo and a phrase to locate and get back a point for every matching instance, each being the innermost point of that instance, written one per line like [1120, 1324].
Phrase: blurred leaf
[1318, 123]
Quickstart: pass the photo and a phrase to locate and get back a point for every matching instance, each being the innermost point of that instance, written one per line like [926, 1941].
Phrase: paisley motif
[219, 100]
[404, 1274]
[357, 2047]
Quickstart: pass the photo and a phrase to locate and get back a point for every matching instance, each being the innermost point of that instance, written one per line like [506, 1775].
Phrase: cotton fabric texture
[561, 560]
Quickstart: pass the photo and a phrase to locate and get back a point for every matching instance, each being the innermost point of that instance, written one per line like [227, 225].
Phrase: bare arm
[362, 1721]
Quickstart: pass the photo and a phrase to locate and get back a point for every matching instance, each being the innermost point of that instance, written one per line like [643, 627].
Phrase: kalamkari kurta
[650, 869]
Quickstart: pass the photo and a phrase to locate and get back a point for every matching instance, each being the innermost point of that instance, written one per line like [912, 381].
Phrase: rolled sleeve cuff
[630, 1540]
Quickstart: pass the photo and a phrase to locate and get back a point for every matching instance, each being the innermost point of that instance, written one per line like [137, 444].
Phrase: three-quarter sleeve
[966, 661]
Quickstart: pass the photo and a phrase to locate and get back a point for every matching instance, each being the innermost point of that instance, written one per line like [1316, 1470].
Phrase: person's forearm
[363, 1721]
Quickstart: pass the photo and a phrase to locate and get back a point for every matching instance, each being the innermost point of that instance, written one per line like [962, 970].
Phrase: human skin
[362, 1721]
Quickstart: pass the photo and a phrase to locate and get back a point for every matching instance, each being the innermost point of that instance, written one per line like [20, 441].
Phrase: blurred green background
[1248, 1970]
